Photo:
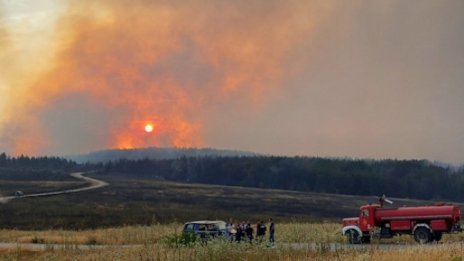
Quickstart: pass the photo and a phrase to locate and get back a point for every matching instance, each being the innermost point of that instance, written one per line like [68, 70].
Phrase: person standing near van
[260, 231]
[239, 233]
[271, 231]
[249, 232]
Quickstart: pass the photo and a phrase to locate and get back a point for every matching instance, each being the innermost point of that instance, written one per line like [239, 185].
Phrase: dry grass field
[286, 233]
[130, 235]
[148, 243]
[241, 252]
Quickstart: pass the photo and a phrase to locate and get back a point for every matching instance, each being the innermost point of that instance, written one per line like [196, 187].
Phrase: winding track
[93, 184]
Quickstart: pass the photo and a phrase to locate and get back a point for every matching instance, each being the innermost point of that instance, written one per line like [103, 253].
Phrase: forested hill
[397, 178]
[34, 163]
[33, 168]
[154, 153]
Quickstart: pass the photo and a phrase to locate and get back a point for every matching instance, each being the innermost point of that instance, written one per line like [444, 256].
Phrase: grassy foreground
[130, 235]
[239, 252]
[149, 243]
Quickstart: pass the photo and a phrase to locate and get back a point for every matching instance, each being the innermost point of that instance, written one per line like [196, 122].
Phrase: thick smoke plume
[375, 79]
[119, 65]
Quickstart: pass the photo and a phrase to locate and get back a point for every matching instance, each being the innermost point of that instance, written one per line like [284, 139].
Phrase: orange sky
[165, 62]
[316, 77]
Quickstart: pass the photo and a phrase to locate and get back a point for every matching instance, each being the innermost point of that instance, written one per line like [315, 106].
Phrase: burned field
[130, 201]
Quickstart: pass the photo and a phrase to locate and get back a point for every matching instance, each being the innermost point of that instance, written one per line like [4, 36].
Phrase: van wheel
[353, 236]
[422, 235]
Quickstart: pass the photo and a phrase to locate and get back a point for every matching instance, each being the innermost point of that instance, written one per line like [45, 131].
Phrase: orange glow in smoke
[166, 62]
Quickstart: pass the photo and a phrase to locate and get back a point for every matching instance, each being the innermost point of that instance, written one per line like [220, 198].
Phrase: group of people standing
[244, 231]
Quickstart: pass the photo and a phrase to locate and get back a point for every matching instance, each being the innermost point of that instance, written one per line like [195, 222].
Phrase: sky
[360, 79]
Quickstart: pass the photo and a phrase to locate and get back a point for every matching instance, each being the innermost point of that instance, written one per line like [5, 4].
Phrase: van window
[201, 227]
[189, 227]
[211, 227]
[221, 225]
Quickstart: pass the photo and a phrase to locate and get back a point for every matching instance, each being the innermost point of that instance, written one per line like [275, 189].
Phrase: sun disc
[148, 128]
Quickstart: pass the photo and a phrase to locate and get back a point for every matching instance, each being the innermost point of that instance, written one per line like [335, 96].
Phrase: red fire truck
[425, 223]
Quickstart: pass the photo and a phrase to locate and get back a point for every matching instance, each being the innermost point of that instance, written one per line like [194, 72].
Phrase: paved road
[93, 184]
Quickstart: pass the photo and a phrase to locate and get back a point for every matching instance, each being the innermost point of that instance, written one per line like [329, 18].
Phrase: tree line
[26, 162]
[35, 168]
[418, 179]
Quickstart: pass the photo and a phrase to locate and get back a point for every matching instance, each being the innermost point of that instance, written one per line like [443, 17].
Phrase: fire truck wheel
[437, 236]
[353, 236]
[366, 239]
[422, 235]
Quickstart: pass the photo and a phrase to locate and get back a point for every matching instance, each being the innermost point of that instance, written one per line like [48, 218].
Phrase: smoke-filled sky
[364, 79]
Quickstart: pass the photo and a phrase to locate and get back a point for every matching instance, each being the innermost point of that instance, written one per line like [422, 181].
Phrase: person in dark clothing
[203, 234]
[239, 233]
[249, 232]
[260, 231]
[271, 231]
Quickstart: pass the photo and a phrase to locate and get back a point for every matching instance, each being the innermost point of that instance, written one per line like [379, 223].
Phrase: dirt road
[342, 246]
[93, 184]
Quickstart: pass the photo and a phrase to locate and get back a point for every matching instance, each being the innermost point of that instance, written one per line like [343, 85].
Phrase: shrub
[184, 239]
[37, 240]
[91, 241]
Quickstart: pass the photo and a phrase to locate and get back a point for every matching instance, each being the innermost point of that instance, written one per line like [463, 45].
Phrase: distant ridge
[154, 153]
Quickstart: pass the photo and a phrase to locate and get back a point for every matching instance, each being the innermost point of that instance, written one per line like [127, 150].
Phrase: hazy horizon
[357, 79]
